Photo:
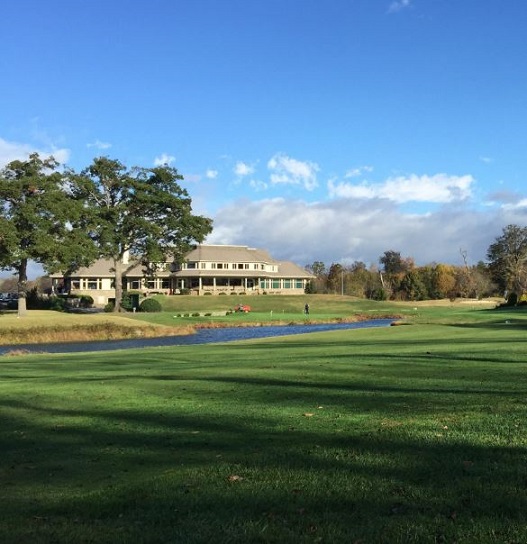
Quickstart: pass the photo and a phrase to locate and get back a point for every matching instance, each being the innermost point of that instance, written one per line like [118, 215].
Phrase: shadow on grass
[288, 442]
[238, 475]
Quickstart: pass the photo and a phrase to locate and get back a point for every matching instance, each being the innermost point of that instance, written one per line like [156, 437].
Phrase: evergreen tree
[36, 218]
[140, 211]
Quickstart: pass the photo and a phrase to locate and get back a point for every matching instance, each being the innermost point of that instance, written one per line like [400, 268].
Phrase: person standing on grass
[306, 309]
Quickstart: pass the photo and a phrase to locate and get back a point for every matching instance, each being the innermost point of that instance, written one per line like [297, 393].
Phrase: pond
[202, 336]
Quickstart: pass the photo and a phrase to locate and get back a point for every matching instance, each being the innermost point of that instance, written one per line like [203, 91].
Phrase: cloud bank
[346, 230]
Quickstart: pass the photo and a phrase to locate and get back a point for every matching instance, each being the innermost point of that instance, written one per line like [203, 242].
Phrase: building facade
[207, 269]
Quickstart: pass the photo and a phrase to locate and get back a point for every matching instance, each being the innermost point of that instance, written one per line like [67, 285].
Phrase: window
[203, 265]
[299, 284]
[93, 283]
[192, 264]
[134, 284]
[151, 284]
[165, 283]
[276, 284]
[287, 284]
[75, 284]
[219, 265]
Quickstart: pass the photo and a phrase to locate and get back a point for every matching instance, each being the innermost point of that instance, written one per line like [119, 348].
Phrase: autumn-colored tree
[444, 281]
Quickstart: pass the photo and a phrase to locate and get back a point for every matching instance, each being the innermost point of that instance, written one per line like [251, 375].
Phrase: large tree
[143, 212]
[507, 258]
[36, 217]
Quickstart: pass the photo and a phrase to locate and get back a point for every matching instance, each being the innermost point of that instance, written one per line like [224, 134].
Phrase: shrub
[379, 294]
[109, 307]
[33, 300]
[512, 299]
[86, 301]
[127, 302]
[184, 291]
[150, 305]
[57, 303]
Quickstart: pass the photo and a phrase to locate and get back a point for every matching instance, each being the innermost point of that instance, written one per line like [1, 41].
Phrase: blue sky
[320, 130]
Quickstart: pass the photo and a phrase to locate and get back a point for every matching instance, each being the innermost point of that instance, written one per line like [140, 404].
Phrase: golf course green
[406, 434]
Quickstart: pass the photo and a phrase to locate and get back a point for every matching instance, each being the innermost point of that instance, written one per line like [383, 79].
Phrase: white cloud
[358, 172]
[399, 5]
[211, 174]
[291, 171]
[439, 188]
[164, 159]
[258, 185]
[97, 144]
[519, 205]
[486, 160]
[242, 169]
[10, 151]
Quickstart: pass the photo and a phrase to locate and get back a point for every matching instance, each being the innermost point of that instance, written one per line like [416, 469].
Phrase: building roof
[241, 254]
[213, 253]
[103, 268]
[292, 270]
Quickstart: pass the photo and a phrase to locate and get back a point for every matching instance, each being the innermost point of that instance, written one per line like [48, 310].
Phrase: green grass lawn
[404, 434]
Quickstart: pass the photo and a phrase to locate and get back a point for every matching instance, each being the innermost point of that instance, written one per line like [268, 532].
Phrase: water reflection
[202, 336]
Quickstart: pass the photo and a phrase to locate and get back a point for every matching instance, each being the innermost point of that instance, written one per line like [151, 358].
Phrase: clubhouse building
[207, 269]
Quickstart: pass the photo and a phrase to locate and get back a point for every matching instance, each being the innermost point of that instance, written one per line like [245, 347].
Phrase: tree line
[63, 219]
[398, 278]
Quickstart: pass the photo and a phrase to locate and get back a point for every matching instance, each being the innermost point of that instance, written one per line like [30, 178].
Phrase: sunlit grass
[395, 435]
[41, 326]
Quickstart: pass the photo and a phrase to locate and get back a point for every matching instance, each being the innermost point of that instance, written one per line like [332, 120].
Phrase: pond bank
[204, 335]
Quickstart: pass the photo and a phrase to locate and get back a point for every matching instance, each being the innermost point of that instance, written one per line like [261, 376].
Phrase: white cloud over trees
[291, 171]
[11, 151]
[163, 159]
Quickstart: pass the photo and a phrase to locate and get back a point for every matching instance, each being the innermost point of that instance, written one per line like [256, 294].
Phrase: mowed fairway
[405, 434]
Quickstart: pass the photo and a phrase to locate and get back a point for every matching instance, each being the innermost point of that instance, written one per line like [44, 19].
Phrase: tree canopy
[143, 212]
[507, 257]
[36, 217]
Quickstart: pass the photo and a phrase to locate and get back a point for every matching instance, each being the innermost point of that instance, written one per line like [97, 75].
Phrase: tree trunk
[118, 266]
[22, 287]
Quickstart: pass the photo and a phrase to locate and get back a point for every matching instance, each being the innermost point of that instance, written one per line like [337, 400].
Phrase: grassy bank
[182, 314]
[42, 326]
[198, 311]
[397, 435]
